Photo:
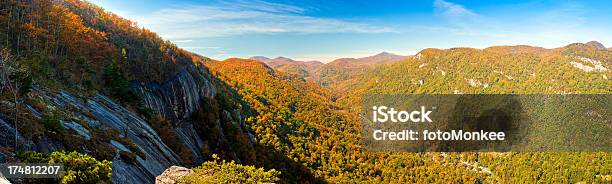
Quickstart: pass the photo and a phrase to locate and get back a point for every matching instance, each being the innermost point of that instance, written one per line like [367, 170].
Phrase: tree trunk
[15, 91]
[8, 27]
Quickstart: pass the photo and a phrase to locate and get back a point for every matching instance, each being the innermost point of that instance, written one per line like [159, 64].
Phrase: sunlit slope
[299, 121]
[333, 74]
[576, 68]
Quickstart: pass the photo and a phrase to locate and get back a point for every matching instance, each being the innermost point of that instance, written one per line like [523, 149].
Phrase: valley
[333, 73]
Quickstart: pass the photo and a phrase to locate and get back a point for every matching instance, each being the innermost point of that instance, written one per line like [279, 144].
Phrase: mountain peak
[269, 60]
[384, 53]
[261, 58]
[282, 59]
[596, 44]
[383, 57]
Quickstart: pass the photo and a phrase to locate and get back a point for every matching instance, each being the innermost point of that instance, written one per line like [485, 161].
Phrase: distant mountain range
[300, 68]
[339, 69]
[381, 58]
[576, 68]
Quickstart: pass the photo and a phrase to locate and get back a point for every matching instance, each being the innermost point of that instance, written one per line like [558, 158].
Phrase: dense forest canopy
[302, 131]
[72, 40]
[495, 70]
[342, 158]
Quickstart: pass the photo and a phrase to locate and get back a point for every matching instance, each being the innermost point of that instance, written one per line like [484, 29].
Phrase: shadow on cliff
[226, 134]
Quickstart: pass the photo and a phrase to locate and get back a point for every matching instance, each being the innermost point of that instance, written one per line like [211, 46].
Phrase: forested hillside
[331, 74]
[318, 140]
[446, 71]
[117, 103]
[72, 41]
[334, 74]
[573, 69]
[75, 77]
[576, 68]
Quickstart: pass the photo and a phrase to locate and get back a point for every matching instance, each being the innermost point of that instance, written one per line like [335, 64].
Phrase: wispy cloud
[238, 17]
[182, 41]
[550, 26]
[451, 10]
[201, 47]
[263, 6]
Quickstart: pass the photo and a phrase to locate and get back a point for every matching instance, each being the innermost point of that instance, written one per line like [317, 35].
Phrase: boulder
[172, 175]
[4, 180]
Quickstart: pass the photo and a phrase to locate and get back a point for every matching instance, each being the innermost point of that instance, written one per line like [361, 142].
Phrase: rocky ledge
[172, 175]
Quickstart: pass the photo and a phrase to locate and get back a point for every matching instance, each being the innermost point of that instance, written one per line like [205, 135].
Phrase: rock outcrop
[586, 63]
[3, 180]
[172, 175]
[177, 99]
[104, 113]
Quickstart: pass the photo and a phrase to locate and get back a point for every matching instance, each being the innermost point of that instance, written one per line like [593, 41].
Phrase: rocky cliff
[176, 99]
[179, 97]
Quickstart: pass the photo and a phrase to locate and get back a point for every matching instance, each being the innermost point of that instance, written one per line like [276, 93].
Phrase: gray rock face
[119, 146]
[188, 136]
[78, 128]
[133, 173]
[158, 155]
[35, 113]
[105, 113]
[177, 99]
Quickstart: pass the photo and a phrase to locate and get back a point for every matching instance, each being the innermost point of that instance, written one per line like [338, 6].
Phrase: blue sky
[328, 29]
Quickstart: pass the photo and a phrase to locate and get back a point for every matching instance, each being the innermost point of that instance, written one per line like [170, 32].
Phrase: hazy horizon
[400, 54]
